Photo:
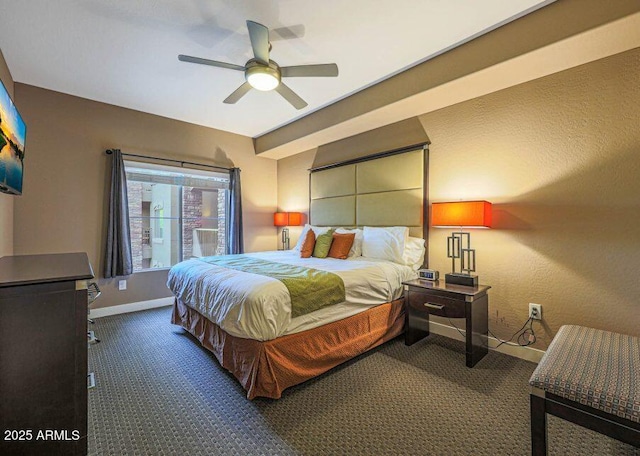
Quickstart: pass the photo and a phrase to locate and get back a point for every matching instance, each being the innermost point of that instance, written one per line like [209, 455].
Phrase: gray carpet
[159, 393]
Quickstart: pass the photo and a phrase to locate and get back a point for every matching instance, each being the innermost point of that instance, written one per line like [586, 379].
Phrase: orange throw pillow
[307, 246]
[341, 245]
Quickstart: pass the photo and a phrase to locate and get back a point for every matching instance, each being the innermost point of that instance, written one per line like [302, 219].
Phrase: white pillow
[414, 253]
[385, 243]
[317, 230]
[356, 247]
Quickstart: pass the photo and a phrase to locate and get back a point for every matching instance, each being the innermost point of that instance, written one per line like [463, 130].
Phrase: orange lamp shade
[295, 218]
[280, 219]
[287, 218]
[461, 213]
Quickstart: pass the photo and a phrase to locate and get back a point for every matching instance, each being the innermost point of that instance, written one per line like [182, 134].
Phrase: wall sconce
[470, 214]
[286, 219]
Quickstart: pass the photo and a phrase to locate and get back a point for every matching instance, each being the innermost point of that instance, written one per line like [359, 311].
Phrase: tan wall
[293, 187]
[66, 178]
[559, 158]
[6, 201]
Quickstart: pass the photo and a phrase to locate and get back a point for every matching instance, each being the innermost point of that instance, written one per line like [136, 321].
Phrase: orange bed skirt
[266, 368]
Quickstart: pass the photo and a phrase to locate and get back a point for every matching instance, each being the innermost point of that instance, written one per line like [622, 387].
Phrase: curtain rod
[109, 152]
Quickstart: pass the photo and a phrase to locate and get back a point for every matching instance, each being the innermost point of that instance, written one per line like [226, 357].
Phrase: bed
[242, 309]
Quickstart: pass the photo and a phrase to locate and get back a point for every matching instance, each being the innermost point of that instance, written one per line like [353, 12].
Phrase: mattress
[257, 307]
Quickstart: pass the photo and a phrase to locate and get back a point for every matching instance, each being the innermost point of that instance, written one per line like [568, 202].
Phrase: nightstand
[423, 298]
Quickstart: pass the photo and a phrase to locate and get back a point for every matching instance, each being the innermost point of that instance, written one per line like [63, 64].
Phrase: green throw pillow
[323, 244]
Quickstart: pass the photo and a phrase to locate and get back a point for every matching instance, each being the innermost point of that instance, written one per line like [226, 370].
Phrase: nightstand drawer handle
[433, 306]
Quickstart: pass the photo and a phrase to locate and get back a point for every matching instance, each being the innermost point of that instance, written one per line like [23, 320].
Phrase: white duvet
[257, 307]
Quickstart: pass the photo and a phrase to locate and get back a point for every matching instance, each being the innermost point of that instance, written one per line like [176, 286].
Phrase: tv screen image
[12, 137]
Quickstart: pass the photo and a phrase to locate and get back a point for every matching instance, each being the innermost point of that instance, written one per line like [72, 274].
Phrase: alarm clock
[428, 274]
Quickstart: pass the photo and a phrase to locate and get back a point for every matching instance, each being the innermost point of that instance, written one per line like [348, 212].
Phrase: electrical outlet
[122, 285]
[535, 311]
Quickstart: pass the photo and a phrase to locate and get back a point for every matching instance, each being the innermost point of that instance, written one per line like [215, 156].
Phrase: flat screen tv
[12, 136]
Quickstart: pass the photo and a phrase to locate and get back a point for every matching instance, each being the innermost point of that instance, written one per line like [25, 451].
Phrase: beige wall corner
[65, 191]
[293, 188]
[6, 201]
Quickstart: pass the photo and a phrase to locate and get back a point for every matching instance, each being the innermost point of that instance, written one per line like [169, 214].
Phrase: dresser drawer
[434, 304]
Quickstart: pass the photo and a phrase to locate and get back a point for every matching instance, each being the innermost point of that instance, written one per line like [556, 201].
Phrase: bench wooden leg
[538, 426]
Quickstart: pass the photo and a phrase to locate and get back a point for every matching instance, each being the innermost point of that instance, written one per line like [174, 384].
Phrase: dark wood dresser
[43, 354]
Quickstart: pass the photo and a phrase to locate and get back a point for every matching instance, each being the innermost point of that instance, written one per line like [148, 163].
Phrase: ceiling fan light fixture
[263, 77]
[264, 74]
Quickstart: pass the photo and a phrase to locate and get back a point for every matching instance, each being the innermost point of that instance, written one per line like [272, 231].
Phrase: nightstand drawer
[441, 306]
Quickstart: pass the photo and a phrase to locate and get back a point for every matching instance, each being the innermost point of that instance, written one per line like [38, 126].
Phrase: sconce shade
[287, 218]
[461, 213]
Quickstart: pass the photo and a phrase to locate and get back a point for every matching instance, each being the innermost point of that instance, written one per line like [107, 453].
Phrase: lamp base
[456, 278]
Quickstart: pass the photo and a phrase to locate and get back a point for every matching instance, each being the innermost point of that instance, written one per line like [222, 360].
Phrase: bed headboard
[388, 189]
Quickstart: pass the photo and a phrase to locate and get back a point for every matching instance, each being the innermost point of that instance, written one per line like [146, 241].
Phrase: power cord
[457, 329]
[526, 336]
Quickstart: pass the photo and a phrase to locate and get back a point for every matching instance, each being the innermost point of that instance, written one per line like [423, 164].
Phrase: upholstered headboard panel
[387, 191]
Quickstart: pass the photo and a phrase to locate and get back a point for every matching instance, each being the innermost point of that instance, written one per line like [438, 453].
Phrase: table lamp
[285, 219]
[469, 214]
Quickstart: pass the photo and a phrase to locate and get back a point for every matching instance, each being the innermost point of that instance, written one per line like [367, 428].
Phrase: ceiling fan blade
[259, 36]
[329, 70]
[215, 63]
[290, 96]
[238, 93]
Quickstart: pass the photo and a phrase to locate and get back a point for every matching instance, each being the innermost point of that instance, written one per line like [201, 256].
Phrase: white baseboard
[131, 307]
[526, 353]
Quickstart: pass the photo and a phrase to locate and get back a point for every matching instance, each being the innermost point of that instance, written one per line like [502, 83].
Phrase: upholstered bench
[589, 377]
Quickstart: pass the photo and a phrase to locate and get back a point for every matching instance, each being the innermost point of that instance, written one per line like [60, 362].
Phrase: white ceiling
[125, 52]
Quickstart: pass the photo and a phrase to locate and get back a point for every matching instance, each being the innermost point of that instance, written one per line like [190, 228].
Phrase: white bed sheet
[257, 307]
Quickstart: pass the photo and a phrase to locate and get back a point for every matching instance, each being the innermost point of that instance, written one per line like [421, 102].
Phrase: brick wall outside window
[192, 213]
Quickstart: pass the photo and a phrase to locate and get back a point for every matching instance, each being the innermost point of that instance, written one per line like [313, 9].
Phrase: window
[175, 214]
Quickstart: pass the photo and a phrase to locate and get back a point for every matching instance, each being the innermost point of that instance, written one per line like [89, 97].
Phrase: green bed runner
[310, 289]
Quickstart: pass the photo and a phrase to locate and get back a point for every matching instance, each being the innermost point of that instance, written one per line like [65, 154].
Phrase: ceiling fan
[264, 74]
